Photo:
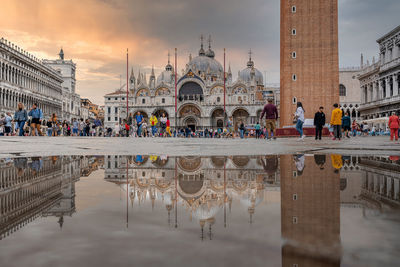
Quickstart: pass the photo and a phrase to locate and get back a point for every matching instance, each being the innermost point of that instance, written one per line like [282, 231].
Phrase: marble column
[380, 89]
[370, 92]
[375, 90]
[387, 87]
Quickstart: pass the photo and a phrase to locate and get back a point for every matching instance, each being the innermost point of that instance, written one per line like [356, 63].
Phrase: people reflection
[320, 160]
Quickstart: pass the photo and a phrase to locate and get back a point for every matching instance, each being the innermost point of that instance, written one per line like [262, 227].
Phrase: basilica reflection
[202, 186]
[210, 195]
[38, 187]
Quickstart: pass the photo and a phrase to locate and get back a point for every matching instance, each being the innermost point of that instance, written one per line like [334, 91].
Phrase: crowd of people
[32, 122]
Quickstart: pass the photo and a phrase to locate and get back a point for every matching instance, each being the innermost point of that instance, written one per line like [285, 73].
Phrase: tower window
[294, 32]
[294, 101]
[163, 100]
[143, 101]
[294, 196]
[294, 77]
[293, 9]
[294, 55]
[295, 220]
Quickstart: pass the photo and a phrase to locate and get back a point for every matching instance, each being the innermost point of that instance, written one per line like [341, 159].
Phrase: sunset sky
[96, 33]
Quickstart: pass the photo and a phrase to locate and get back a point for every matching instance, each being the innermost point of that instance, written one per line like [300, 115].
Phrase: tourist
[299, 118]
[153, 124]
[21, 116]
[87, 128]
[163, 124]
[81, 127]
[271, 115]
[394, 127]
[319, 122]
[7, 124]
[258, 130]
[144, 128]
[229, 125]
[54, 125]
[299, 161]
[97, 126]
[116, 129]
[127, 128]
[37, 115]
[130, 120]
[354, 127]
[168, 127]
[320, 160]
[336, 122]
[346, 124]
[242, 129]
[139, 121]
[75, 127]
[49, 127]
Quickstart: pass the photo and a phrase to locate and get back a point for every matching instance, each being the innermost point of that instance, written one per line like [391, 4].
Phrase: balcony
[380, 102]
[391, 64]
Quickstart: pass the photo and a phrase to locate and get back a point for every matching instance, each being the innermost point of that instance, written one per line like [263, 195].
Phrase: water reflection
[206, 191]
[38, 186]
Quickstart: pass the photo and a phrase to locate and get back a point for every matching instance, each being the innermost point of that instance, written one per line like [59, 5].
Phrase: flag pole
[176, 103]
[127, 89]
[224, 93]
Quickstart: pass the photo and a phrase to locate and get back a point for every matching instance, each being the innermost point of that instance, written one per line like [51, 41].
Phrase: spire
[61, 54]
[169, 66]
[152, 71]
[201, 51]
[250, 63]
[362, 61]
[229, 69]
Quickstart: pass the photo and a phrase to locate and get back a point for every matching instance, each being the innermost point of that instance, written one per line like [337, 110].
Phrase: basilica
[200, 94]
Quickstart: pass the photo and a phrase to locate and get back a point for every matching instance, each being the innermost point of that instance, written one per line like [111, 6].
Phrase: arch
[189, 164]
[217, 89]
[190, 89]
[143, 92]
[162, 91]
[240, 161]
[239, 115]
[189, 109]
[144, 114]
[218, 162]
[217, 116]
[159, 111]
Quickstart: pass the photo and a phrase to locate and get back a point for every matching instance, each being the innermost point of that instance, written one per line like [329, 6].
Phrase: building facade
[200, 94]
[309, 57]
[70, 99]
[26, 79]
[349, 91]
[379, 82]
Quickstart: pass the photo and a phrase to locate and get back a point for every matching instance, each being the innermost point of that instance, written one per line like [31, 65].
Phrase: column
[380, 91]
[370, 93]
[387, 87]
[396, 84]
[375, 91]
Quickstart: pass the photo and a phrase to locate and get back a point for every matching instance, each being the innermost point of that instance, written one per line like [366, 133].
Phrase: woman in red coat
[394, 126]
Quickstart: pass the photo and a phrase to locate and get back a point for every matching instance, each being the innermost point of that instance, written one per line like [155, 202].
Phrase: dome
[206, 64]
[167, 76]
[206, 210]
[246, 74]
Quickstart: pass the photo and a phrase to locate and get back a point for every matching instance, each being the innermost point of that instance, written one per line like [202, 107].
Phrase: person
[82, 127]
[299, 117]
[336, 122]
[394, 127]
[320, 160]
[127, 128]
[87, 128]
[319, 122]
[75, 127]
[346, 124]
[163, 123]
[7, 124]
[299, 161]
[229, 125]
[139, 121]
[20, 116]
[258, 130]
[169, 127]
[271, 115]
[49, 128]
[144, 128]
[116, 129]
[242, 129]
[37, 116]
[354, 127]
[153, 123]
[97, 126]
[54, 125]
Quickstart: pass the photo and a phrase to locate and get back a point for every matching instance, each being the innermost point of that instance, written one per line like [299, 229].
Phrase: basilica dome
[204, 64]
[246, 74]
[167, 76]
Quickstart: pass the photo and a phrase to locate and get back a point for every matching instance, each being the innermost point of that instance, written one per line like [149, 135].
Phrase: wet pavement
[273, 210]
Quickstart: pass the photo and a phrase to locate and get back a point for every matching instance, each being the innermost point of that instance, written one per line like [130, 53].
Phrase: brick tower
[309, 57]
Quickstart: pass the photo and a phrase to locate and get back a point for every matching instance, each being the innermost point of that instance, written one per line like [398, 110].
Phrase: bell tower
[309, 59]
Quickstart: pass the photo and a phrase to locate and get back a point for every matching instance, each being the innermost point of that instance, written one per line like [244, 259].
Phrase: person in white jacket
[299, 116]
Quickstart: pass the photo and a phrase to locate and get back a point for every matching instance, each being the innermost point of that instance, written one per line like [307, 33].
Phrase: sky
[96, 33]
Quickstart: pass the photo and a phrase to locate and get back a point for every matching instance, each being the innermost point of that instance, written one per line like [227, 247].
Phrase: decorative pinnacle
[209, 41]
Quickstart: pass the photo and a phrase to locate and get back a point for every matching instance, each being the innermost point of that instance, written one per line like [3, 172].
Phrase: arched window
[342, 90]
[218, 99]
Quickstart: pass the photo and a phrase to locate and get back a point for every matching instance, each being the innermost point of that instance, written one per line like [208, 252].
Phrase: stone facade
[309, 57]
[200, 94]
[349, 91]
[26, 79]
[379, 82]
[70, 99]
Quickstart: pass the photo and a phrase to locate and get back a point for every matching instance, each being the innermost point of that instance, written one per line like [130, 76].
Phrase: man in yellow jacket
[336, 121]
[153, 123]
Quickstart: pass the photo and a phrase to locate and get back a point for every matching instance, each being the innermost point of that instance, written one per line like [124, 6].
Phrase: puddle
[286, 210]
